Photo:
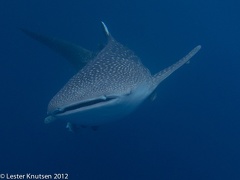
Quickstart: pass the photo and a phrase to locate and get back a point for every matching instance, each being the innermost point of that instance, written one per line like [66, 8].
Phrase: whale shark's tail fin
[75, 54]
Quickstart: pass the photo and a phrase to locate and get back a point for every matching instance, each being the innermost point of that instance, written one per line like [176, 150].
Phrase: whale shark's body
[108, 86]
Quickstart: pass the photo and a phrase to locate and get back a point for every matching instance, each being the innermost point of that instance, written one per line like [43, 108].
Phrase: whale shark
[108, 85]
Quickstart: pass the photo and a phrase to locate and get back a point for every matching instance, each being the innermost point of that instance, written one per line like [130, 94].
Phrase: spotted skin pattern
[115, 70]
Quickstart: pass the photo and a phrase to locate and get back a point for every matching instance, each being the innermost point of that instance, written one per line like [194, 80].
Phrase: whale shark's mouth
[84, 105]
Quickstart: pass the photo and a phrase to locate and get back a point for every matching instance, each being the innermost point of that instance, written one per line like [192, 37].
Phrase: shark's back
[114, 71]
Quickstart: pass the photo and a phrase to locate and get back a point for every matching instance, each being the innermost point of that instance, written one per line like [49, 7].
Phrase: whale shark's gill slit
[84, 104]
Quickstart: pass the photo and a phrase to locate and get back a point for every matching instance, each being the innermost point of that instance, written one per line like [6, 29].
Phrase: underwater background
[191, 131]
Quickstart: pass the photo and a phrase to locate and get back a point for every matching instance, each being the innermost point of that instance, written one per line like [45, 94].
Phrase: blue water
[191, 131]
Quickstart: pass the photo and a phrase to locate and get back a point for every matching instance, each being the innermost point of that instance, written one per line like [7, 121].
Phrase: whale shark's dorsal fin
[75, 54]
[105, 29]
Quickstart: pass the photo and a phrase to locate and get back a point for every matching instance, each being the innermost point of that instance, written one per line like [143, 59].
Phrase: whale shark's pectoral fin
[75, 54]
[159, 77]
